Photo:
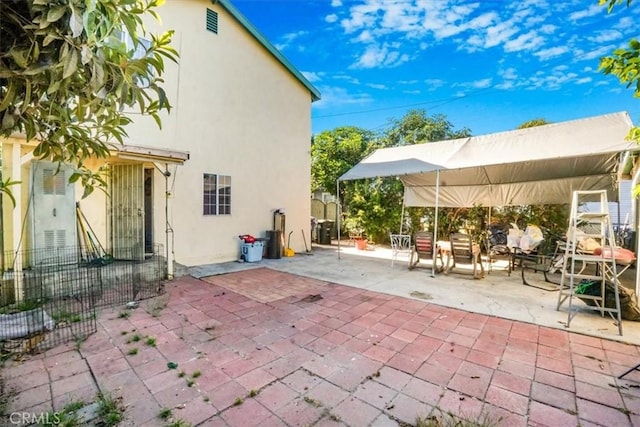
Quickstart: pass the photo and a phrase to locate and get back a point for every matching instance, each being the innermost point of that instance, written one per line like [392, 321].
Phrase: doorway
[148, 211]
[127, 212]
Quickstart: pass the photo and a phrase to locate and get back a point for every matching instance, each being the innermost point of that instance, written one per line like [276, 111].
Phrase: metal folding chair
[399, 243]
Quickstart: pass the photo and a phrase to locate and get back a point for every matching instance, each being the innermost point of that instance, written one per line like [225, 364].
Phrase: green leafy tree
[70, 68]
[624, 63]
[533, 123]
[416, 127]
[378, 205]
[336, 151]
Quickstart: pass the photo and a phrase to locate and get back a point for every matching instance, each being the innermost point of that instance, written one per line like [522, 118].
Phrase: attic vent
[212, 21]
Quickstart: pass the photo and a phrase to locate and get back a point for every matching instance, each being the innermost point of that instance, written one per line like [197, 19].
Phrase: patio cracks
[211, 356]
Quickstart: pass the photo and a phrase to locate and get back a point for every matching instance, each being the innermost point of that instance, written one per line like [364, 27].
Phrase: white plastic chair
[400, 243]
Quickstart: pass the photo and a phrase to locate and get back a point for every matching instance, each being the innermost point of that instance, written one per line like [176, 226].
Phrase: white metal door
[53, 215]
[127, 211]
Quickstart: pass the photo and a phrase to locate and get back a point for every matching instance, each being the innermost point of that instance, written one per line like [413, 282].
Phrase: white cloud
[331, 18]
[289, 39]
[499, 34]
[581, 55]
[605, 36]
[584, 80]
[551, 52]
[593, 10]
[476, 84]
[548, 29]
[509, 73]
[333, 97]
[625, 22]
[481, 84]
[312, 76]
[380, 56]
[407, 82]
[336, 3]
[377, 86]
[433, 84]
[528, 41]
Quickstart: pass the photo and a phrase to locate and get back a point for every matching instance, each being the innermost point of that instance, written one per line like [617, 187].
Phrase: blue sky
[488, 65]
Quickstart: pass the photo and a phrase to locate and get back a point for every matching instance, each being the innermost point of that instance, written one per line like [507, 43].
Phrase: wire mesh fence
[51, 296]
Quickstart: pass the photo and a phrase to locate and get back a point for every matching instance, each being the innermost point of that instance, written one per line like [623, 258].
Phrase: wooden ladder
[596, 225]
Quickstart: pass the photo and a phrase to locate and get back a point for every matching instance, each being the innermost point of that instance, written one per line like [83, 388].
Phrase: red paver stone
[606, 396]
[492, 415]
[226, 394]
[508, 400]
[321, 366]
[301, 381]
[276, 395]
[69, 384]
[423, 391]
[553, 396]
[460, 405]
[327, 394]
[28, 381]
[405, 363]
[86, 393]
[407, 409]
[483, 359]
[379, 353]
[250, 413]
[256, 379]
[392, 377]
[299, 413]
[139, 412]
[515, 368]
[511, 382]
[375, 394]
[32, 397]
[392, 343]
[601, 414]
[172, 397]
[355, 412]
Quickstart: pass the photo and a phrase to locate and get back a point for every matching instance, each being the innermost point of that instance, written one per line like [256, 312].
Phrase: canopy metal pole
[338, 213]
[435, 225]
[402, 212]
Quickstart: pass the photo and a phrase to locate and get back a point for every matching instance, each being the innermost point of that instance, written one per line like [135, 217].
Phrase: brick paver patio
[276, 349]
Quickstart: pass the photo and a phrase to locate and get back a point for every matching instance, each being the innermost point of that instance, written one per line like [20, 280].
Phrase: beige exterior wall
[238, 112]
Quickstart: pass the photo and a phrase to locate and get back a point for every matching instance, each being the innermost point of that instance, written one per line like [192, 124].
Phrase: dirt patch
[421, 295]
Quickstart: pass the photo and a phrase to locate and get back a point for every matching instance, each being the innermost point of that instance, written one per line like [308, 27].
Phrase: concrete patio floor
[317, 340]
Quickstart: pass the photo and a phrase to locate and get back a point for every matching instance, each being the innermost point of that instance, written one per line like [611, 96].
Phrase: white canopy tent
[537, 165]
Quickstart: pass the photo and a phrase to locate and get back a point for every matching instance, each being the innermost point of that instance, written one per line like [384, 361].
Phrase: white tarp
[24, 323]
[539, 165]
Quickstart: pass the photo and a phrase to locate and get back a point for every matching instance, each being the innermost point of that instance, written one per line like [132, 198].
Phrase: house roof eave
[315, 93]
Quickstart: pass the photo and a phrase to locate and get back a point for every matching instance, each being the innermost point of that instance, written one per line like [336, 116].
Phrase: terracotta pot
[361, 244]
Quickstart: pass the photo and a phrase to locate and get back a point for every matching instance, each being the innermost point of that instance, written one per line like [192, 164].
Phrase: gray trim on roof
[315, 94]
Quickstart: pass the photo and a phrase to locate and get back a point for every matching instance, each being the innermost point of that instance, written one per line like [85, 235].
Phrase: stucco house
[233, 151]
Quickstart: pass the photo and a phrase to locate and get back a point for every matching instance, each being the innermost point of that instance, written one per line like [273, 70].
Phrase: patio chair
[497, 247]
[464, 251]
[399, 243]
[422, 248]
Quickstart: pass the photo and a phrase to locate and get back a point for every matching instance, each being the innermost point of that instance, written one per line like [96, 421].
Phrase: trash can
[274, 246]
[325, 227]
[251, 252]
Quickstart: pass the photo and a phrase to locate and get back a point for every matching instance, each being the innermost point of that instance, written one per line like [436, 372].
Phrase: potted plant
[356, 234]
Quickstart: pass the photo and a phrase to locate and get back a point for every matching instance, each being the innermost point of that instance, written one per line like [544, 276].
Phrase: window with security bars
[216, 194]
